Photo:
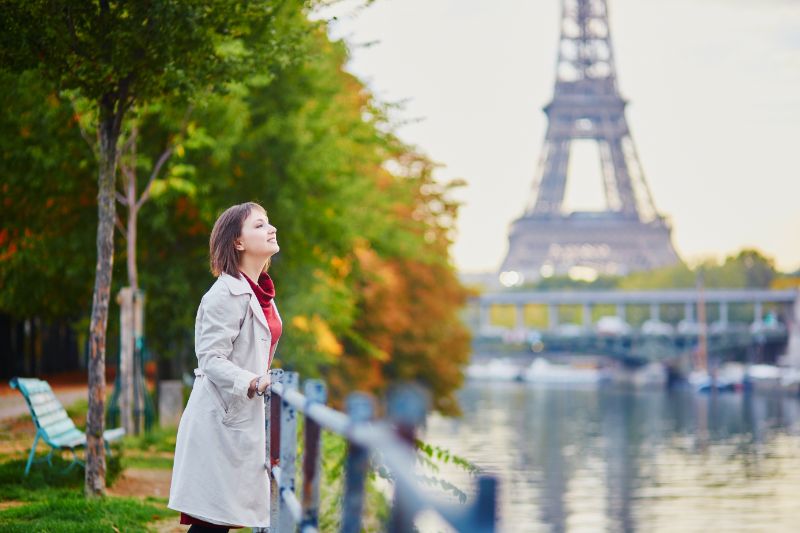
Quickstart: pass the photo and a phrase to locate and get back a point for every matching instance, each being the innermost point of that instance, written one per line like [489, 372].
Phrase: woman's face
[259, 238]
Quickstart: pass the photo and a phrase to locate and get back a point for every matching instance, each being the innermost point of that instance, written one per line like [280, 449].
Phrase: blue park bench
[53, 425]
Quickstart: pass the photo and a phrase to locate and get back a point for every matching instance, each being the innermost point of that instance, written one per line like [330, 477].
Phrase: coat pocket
[237, 413]
[216, 397]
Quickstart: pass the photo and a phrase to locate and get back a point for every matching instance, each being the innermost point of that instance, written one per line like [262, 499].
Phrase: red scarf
[264, 289]
[265, 292]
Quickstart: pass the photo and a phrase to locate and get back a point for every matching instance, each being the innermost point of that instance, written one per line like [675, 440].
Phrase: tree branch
[120, 227]
[85, 134]
[126, 146]
[156, 170]
[74, 35]
[121, 198]
[165, 155]
[123, 102]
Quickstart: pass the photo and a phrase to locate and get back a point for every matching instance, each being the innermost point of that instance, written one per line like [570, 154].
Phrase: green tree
[114, 55]
[48, 202]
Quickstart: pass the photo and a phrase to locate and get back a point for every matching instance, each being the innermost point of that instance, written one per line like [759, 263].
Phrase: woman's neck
[252, 267]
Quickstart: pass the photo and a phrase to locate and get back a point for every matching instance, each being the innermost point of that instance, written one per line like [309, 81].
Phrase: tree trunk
[95, 482]
[133, 212]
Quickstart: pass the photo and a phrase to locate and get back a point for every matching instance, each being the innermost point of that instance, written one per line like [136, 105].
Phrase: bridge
[770, 328]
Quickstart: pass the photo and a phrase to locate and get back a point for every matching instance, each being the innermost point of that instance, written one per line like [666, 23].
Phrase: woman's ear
[239, 246]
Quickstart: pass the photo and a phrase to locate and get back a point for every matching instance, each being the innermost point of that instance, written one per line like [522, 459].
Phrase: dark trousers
[202, 529]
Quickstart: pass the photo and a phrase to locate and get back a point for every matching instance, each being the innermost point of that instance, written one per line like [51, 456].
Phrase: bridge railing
[388, 442]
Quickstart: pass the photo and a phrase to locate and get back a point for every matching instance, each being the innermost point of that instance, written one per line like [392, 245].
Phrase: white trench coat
[219, 472]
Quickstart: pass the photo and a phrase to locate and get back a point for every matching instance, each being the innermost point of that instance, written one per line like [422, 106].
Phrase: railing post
[273, 415]
[315, 392]
[359, 409]
[407, 408]
[485, 505]
[288, 452]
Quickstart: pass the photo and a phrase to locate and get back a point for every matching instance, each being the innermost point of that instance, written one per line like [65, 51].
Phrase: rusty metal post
[288, 452]
[273, 427]
[407, 408]
[360, 410]
[315, 392]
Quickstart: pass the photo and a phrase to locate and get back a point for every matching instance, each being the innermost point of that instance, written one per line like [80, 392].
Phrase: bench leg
[33, 452]
[75, 461]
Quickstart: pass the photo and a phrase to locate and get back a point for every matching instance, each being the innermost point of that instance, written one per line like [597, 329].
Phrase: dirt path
[170, 525]
[142, 482]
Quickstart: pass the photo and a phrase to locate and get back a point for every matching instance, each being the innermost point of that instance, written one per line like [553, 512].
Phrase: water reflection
[622, 460]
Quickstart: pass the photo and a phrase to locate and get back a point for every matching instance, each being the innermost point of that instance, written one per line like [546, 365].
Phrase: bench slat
[55, 430]
[42, 397]
[70, 439]
[48, 408]
[113, 434]
[34, 386]
[51, 418]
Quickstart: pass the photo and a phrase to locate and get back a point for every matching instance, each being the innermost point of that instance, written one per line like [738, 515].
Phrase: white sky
[714, 90]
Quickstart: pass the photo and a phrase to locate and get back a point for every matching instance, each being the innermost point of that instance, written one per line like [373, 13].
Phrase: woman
[218, 479]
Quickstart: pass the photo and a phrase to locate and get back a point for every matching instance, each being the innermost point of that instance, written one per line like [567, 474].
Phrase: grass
[70, 511]
[51, 499]
[153, 450]
[158, 440]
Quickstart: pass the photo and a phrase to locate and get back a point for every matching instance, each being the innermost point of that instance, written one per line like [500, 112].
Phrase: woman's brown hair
[222, 244]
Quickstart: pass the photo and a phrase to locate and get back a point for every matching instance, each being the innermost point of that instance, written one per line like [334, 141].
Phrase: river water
[608, 459]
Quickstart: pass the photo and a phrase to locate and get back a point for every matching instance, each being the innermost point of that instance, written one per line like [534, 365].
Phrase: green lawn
[52, 500]
[49, 499]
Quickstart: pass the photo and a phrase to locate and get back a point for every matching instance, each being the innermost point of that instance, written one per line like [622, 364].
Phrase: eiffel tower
[629, 234]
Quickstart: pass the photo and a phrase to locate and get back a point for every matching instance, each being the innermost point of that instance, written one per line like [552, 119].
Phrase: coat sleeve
[218, 324]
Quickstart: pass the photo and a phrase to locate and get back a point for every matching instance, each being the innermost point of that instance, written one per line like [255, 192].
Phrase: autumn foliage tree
[364, 280]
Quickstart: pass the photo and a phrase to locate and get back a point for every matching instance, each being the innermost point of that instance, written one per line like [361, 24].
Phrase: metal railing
[390, 442]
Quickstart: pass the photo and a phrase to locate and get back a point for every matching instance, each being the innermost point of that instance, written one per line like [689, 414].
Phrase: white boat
[542, 371]
[657, 328]
[495, 370]
[730, 377]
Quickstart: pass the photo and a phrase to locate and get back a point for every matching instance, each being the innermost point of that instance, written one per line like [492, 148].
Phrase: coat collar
[239, 286]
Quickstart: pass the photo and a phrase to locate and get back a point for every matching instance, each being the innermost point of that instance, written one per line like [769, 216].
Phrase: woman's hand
[258, 385]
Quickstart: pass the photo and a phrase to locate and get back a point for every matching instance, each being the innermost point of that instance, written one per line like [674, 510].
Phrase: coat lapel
[256, 307]
[277, 314]
[239, 286]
